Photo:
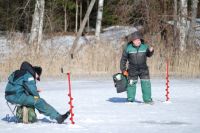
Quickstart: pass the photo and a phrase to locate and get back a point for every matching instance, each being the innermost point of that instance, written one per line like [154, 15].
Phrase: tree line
[67, 16]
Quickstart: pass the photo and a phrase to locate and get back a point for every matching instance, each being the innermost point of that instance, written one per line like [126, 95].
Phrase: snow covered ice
[99, 109]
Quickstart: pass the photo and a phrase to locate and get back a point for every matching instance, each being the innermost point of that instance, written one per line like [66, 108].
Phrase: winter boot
[60, 119]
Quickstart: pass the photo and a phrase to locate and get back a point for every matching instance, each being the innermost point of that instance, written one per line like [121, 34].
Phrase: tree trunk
[162, 6]
[76, 25]
[147, 14]
[191, 32]
[99, 19]
[183, 24]
[81, 12]
[37, 24]
[82, 27]
[175, 23]
[88, 21]
[65, 16]
[8, 3]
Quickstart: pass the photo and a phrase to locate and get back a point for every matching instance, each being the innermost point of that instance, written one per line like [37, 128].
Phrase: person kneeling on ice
[21, 89]
[136, 53]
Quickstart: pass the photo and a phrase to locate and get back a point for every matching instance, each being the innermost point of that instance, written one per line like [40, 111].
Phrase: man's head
[35, 71]
[38, 72]
[135, 38]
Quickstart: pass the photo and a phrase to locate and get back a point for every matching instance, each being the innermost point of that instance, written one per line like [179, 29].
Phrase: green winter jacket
[21, 83]
[136, 57]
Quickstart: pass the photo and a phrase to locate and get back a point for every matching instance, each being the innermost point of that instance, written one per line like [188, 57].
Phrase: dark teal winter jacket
[20, 84]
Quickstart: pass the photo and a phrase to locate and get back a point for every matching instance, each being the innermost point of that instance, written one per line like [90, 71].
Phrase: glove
[36, 97]
[125, 73]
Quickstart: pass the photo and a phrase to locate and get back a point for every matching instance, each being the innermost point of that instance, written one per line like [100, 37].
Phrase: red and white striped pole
[70, 101]
[167, 81]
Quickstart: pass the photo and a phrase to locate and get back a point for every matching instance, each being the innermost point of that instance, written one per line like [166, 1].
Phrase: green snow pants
[146, 90]
[40, 104]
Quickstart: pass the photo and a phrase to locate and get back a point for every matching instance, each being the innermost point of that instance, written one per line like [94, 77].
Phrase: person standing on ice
[136, 53]
[21, 89]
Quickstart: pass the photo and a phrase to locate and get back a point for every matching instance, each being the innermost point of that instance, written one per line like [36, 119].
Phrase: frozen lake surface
[99, 109]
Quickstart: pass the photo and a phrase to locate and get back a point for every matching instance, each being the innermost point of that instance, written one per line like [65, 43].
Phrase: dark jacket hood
[26, 66]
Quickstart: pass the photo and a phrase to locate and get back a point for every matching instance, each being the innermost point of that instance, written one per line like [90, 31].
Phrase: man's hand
[36, 97]
[151, 49]
[125, 73]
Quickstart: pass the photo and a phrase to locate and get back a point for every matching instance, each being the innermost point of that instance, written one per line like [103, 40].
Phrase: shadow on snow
[120, 100]
[14, 119]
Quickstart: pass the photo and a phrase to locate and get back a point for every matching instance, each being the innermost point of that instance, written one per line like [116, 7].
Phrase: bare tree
[175, 23]
[99, 19]
[76, 25]
[88, 21]
[82, 27]
[191, 32]
[183, 28]
[37, 24]
[65, 15]
[81, 11]
[124, 10]
[147, 12]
